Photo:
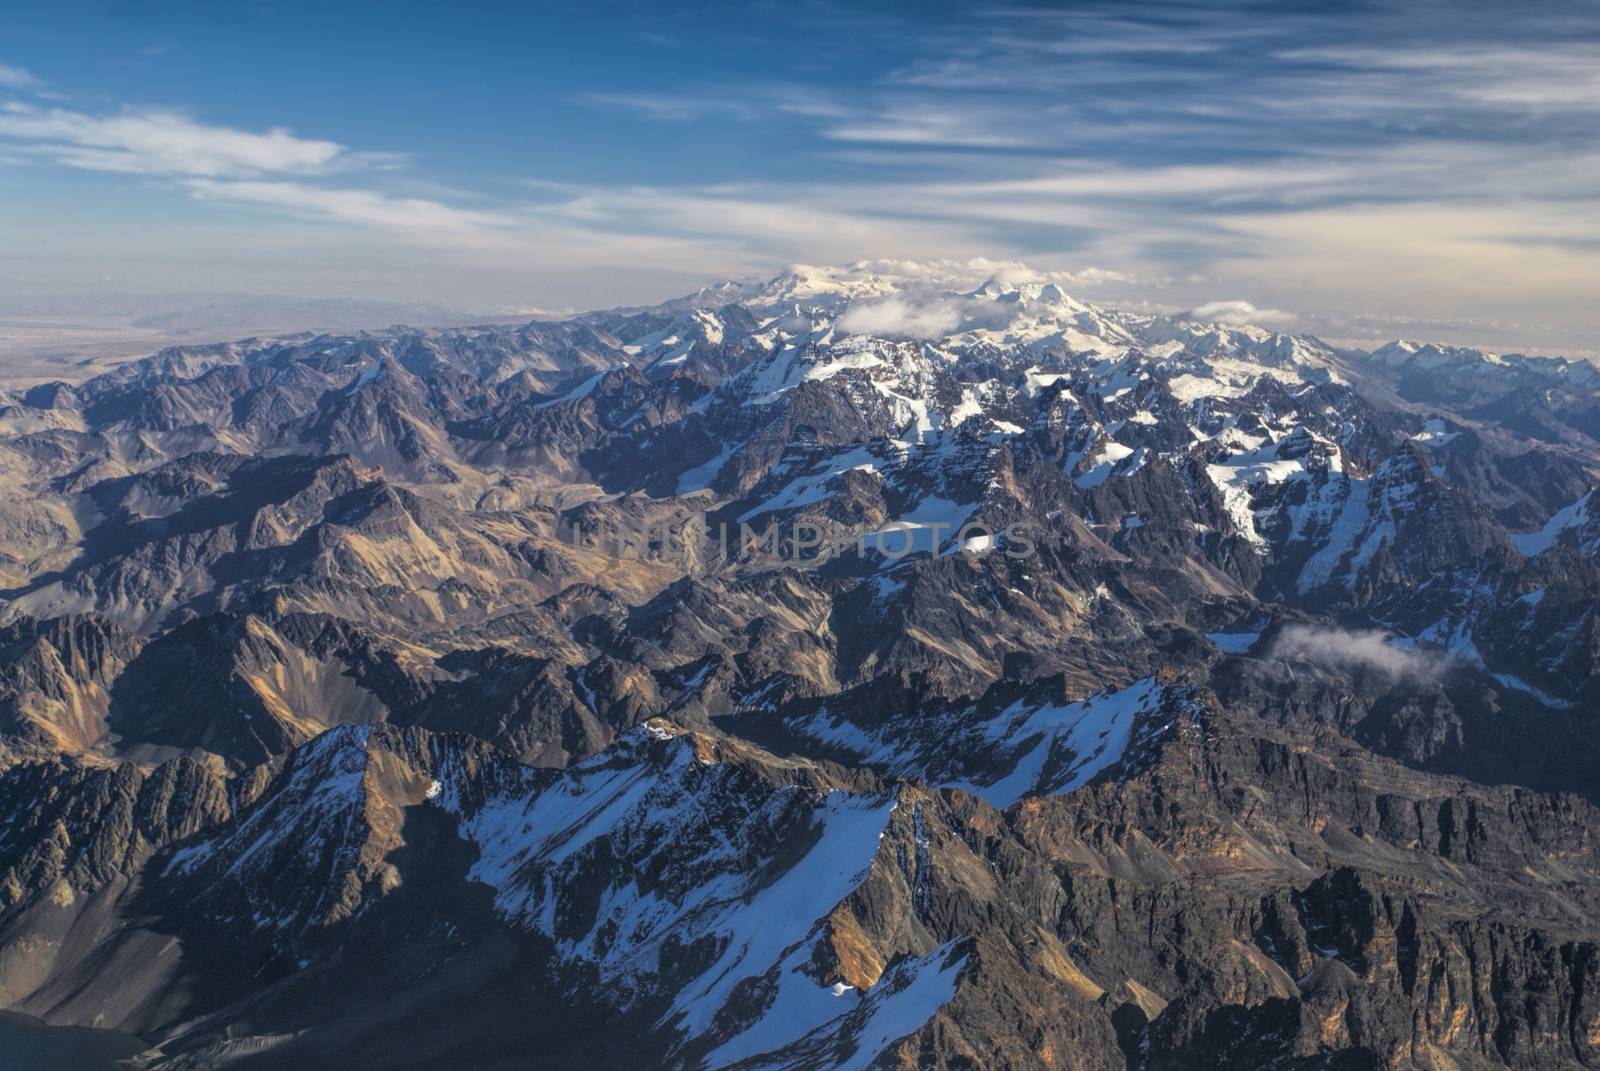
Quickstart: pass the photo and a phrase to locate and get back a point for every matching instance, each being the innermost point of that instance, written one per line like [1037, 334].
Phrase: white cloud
[17, 78]
[929, 125]
[973, 271]
[1553, 76]
[218, 163]
[672, 108]
[1016, 274]
[751, 103]
[926, 308]
[418, 216]
[897, 317]
[1093, 277]
[1343, 648]
[156, 142]
[1235, 314]
[1369, 258]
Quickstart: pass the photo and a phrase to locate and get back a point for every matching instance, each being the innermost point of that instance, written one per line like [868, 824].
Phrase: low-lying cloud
[931, 311]
[973, 271]
[1235, 314]
[1346, 649]
[898, 318]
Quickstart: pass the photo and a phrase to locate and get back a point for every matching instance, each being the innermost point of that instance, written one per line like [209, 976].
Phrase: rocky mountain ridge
[1177, 694]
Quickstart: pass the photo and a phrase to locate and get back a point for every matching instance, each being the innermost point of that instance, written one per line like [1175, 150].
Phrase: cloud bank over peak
[1235, 314]
[929, 299]
[969, 273]
[898, 317]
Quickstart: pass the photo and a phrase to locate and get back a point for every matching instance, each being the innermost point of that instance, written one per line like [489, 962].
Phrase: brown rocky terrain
[413, 697]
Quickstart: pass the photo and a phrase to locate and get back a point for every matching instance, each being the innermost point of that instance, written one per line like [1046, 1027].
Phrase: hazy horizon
[1360, 171]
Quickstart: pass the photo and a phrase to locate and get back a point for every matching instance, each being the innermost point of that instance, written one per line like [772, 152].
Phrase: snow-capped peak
[1428, 356]
[961, 306]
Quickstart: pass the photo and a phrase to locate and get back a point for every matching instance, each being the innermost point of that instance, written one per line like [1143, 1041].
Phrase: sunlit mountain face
[895, 665]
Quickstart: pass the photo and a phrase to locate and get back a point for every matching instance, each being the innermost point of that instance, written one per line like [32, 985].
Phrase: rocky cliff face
[708, 686]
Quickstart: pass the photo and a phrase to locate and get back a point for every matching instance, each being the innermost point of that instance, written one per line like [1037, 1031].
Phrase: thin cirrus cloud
[273, 168]
[17, 78]
[364, 207]
[751, 103]
[930, 125]
[904, 122]
[155, 142]
[1563, 77]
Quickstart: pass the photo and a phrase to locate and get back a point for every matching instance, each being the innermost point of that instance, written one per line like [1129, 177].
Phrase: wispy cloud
[673, 107]
[1561, 75]
[413, 215]
[274, 168]
[748, 103]
[1367, 649]
[930, 123]
[12, 77]
[157, 142]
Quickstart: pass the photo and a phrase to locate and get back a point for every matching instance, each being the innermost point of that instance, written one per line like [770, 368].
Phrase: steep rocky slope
[726, 685]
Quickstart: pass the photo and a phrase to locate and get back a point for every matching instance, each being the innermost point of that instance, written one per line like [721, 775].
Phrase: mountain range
[1169, 694]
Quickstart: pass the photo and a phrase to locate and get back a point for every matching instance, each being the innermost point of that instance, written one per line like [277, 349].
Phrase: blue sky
[1361, 169]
